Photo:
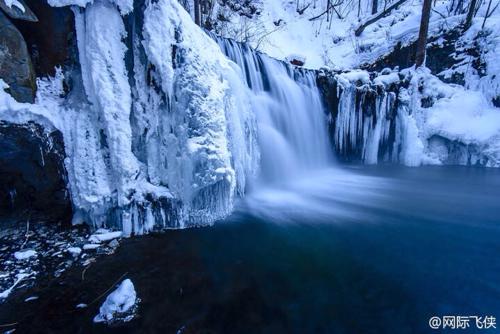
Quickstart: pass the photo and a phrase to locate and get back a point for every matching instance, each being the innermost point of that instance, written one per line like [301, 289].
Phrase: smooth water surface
[358, 250]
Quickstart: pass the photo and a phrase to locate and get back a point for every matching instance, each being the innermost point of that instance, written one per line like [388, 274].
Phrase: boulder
[16, 68]
[32, 173]
[17, 9]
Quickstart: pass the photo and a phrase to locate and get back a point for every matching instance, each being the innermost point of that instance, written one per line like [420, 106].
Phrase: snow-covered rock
[100, 237]
[24, 255]
[119, 305]
[75, 251]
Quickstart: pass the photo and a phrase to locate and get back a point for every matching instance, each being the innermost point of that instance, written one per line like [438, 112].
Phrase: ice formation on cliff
[169, 144]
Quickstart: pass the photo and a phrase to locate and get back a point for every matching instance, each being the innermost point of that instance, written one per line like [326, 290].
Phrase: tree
[377, 17]
[422, 35]
[470, 14]
[197, 12]
[374, 6]
[489, 12]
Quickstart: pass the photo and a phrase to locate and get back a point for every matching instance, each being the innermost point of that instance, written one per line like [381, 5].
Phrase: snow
[75, 251]
[23, 255]
[16, 3]
[19, 278]
[173, 143]
[465, 116]
[210, 97]
[331, 43]
[125, 6]
[119, 303]
[353, 77]
[91, 246]
[387, 79]
[104, 236]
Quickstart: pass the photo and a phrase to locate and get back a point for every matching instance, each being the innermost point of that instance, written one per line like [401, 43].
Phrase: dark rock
[32, 174]
[16, 13]
[16, 68]
[52, 40]
[439, 56]
[296, 62]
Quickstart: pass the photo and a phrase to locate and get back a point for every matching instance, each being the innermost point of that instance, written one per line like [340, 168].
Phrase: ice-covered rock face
[194, 123]
[169, 148]
[412, 118]
[158, 132]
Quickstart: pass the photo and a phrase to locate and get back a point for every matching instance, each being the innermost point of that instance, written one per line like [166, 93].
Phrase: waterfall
[291, 120]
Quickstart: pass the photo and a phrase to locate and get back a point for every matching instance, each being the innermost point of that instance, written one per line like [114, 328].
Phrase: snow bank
[119, 305]
[465, 116]
[286, 27]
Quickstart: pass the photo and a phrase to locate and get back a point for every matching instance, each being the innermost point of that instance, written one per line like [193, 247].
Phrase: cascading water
[292, 124]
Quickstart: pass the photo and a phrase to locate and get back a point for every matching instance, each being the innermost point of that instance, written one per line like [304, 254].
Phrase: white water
[291, 120]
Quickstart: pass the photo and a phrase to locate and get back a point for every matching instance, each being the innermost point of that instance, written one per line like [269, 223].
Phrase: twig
[332, 6]
[27, 235]
[9, 325]
[85, 270]
[105, 292]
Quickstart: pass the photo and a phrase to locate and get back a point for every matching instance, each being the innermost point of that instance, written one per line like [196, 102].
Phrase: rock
[18, 9]
[32, 172]
[52, 40]
[296, 60]
[119, 305]
[16, 68]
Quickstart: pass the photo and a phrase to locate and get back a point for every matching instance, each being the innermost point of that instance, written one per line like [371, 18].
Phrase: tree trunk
[377, 17]
[470, 14]
[422, 35]
[374, 6]
[197, 13]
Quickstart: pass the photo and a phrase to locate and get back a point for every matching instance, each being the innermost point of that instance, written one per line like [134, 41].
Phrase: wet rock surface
[440, 51]
[32, 173]
[16, 68]
[52, 40]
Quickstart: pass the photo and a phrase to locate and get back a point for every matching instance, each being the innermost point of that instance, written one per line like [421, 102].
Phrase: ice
[29, 299]
[106, 236]
[15, 3]
[125, 6]
[91, 246]
[119, 304]
[26, 254]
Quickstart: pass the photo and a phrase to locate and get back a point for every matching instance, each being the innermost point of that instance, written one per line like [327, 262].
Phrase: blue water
[352, 250]
[367, 250]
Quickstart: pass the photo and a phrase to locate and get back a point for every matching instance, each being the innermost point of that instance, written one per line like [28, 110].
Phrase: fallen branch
[377, 17]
